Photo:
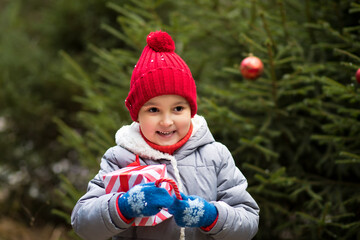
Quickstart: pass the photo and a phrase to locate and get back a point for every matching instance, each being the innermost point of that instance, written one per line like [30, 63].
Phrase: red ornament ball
[251, 67]
[358, 75]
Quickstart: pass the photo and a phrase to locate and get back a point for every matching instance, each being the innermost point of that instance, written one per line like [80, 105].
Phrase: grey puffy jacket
[201, 167]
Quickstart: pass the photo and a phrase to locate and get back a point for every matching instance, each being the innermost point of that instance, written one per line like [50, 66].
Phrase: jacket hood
[129, 137]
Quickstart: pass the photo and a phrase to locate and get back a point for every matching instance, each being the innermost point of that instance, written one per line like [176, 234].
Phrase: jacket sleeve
[238, 212]
[95, 215]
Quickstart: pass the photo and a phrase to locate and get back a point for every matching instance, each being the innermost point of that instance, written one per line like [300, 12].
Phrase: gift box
[123, 179]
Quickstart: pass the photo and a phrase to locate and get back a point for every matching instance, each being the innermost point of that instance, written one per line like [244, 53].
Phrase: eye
[153, 109]
[178, 108]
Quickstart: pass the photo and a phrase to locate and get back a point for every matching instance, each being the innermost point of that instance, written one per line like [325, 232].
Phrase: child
[166, 130]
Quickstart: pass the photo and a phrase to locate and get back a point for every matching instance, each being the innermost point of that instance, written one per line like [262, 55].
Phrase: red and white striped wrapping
[123, 179]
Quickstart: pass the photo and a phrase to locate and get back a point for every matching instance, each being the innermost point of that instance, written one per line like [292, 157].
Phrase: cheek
[185, 126]
[147, 127]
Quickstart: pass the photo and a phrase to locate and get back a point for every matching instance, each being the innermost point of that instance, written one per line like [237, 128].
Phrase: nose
[166, 120]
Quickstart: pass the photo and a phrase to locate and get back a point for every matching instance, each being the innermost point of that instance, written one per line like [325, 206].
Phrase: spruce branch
[283, 19]
[253, 43]
[309, 20]
[267, 30]
[272, 72]
[253, 12]
[346, 53]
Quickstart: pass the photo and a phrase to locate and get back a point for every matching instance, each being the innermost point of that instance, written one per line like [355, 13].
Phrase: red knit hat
[160, 71]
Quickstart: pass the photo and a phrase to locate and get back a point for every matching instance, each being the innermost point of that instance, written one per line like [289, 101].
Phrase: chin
[167, 143]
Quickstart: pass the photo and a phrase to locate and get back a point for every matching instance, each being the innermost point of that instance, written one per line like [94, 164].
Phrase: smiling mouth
[165, 133]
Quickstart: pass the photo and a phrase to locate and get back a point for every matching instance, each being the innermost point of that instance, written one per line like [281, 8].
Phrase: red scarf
[171, 148]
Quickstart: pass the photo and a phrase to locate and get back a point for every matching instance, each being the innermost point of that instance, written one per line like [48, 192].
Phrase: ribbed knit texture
[160, 71]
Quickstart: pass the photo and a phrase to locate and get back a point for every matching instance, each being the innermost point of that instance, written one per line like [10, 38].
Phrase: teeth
[165, 133]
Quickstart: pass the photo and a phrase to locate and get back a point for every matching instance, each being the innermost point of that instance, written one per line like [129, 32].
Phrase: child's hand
[193, 211]
[144, 200]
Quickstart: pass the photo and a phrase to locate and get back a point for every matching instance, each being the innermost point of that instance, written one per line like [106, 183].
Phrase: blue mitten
[144, 200]
[193, 211]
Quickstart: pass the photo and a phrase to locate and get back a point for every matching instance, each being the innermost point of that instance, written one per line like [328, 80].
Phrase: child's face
[165, 120]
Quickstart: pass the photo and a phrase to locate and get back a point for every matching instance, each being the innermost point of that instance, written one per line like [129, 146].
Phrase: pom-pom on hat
[160, 71]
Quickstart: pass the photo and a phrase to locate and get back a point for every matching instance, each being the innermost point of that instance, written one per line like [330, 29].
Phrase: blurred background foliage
[65, 69]
[33, 92]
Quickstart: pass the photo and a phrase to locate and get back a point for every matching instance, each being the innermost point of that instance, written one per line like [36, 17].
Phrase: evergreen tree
[32, 92]
[298, 125]
[294, 131]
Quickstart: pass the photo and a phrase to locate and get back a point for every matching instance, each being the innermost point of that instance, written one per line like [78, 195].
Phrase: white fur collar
[129, 137]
